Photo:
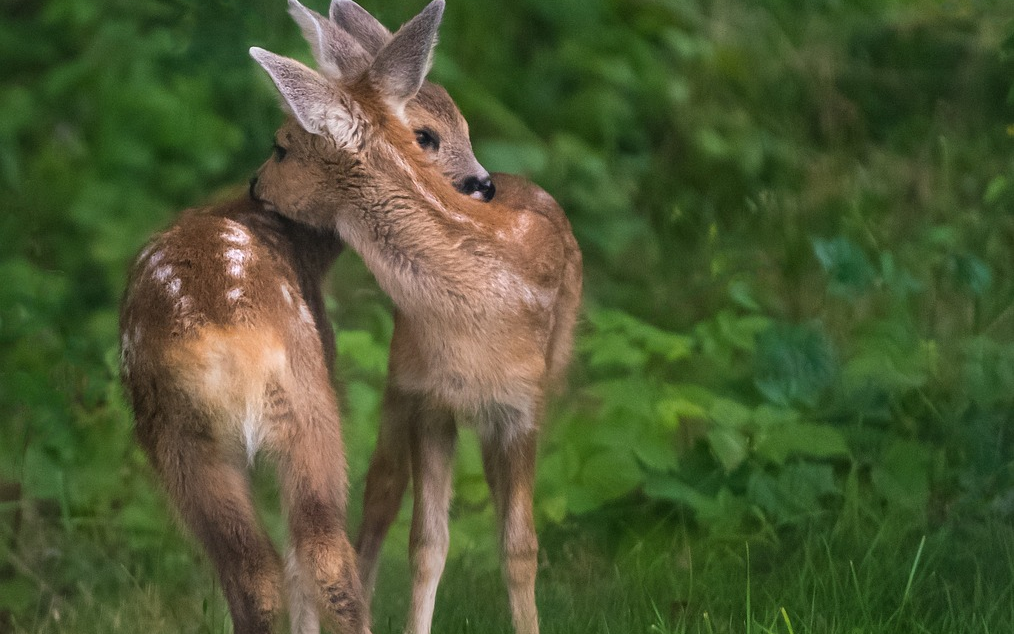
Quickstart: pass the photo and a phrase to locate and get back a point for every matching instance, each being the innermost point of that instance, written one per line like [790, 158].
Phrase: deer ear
[401, 65]
[358, 22]
[337, 53]
[308, 95]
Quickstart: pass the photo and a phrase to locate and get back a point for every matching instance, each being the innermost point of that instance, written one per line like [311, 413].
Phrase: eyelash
[427, 139]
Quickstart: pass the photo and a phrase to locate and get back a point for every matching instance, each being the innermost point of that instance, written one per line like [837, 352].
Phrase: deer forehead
[434, 104]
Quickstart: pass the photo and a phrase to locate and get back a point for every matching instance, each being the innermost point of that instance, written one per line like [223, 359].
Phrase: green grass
[656, 579]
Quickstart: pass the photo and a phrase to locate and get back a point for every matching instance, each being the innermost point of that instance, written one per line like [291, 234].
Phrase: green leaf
[794, 364]
[672, 409]
[665, 487]
[996, 189]
[614, 349]
[740, 292]
[730, 414]
[795, 491]
[901, 475]
[607, 475]
[728, 445]
[972, 273]
[847, 266]
[777, 442]
[359, 349]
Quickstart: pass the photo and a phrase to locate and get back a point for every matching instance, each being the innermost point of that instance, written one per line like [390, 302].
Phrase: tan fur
[486, 298]
[227, 352]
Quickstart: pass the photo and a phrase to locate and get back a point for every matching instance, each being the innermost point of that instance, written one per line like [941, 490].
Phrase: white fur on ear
[310, 24]
[401, 65]
[319, 106]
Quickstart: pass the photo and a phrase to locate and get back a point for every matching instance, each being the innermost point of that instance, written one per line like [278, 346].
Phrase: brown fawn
[226, 350]
[486, 296]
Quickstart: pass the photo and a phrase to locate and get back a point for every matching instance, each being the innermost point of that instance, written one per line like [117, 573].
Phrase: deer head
[348, 143]
[440, 129]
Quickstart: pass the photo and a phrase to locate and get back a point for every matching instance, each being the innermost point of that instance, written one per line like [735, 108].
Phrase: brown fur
[227, 350]
[486, 298]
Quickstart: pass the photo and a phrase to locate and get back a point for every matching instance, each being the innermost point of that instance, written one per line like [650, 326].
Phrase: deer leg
[212, 492]
[433, 437]
[386, 482]
[509, 463]
[314, 488]
[303, 617]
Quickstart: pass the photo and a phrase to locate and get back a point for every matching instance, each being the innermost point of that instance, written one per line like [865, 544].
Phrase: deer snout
[478, 188]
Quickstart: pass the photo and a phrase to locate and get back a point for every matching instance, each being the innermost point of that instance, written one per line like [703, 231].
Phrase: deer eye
[279, 151]
[427, 139]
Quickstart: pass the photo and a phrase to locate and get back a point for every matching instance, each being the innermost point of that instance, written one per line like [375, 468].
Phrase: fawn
[486, 295]
[226, 350]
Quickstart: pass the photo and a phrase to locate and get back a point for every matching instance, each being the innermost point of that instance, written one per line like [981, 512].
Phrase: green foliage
[797, 221]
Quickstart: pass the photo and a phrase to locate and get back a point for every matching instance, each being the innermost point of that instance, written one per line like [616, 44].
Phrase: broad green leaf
[730, 414]
[848, 268]
[609, 474]
[359, 349]
[666, 487]
[728, 445]
[779, 441]
[973, 273]
[794, 364]
[796, 490]
[671, 410]
[901, 475]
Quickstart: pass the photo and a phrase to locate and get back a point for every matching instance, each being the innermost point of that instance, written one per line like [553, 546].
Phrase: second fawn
[486, 298]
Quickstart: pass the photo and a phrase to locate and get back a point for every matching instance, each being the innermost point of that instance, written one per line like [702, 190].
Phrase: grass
[594, 578]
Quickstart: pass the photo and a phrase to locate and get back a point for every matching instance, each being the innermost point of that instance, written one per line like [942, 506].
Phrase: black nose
[253, 183]
[483, 186]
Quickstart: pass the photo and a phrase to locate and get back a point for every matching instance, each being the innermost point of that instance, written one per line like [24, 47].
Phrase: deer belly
[469, 375]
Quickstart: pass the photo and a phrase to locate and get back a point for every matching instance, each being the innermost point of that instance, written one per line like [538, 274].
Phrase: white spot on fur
[235, 234]
[286, 294]
[253, 435]
[234, 294]
[163, 273]
[174, 286]
[145, 252]
[304, 314]
[236, 259]
[156, 257]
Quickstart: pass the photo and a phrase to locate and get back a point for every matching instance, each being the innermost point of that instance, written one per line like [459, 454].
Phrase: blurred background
[795, 368]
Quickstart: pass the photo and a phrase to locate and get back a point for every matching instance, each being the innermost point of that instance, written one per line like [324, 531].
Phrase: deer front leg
[386, 482]
[509, 462]
[433, 438]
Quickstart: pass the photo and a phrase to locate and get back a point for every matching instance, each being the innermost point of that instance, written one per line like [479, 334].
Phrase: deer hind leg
[386, 482]
[211, 489]
[509, 462]
[313, 483]
[433, 437]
